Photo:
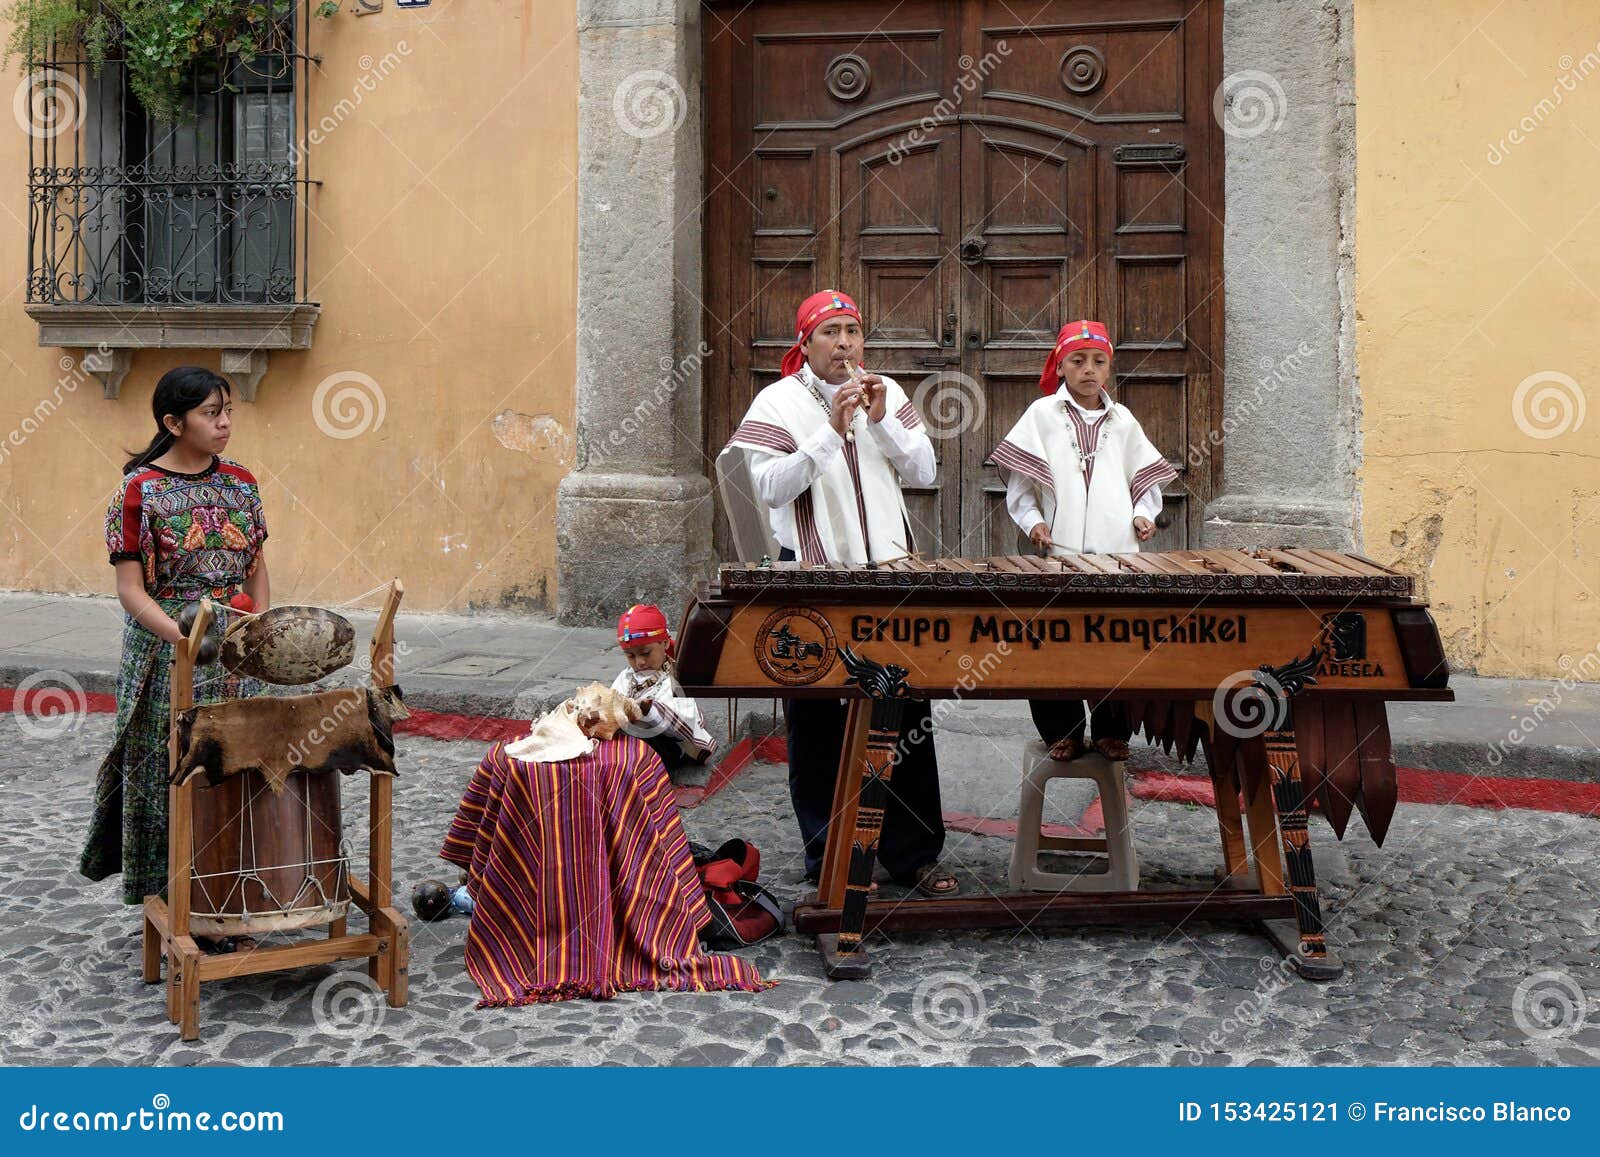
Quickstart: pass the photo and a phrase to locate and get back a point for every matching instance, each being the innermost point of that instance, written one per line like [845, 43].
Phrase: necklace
[647, 681]
[1077, 428]
[1076, 421]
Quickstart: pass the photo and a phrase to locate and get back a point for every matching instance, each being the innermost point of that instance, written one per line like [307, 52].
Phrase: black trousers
[913, 819]
[671, 752]
[1057, 719]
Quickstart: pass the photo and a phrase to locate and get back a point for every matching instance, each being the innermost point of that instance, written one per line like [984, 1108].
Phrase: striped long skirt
[128, 828]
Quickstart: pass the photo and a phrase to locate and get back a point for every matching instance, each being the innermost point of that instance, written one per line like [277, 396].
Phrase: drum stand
[166, 922]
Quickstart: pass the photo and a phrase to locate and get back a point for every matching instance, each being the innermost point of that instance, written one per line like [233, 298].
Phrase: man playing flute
[829, 446]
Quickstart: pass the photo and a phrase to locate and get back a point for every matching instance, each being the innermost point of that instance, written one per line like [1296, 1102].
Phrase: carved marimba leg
[1303, 941]
[844, 956]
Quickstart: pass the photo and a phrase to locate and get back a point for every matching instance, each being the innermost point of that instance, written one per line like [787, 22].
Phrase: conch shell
[571, 729]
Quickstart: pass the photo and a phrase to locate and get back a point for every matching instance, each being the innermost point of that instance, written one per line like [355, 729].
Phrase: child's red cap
[641, 625]
[1075, 335]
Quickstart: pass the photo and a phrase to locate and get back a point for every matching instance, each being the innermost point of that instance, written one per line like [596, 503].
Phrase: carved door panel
[814, 183]
[1089, 189]
[1027, 264]
[975, 178]
[899, 220]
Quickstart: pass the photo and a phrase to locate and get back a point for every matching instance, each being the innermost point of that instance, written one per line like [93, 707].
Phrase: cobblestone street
[1437, 930]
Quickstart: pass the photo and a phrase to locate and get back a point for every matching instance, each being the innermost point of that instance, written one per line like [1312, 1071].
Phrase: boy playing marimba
[1081, 477]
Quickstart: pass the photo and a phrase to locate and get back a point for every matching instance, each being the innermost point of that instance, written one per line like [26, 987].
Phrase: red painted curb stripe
[443, 725]
[491, 729]
[1158, 785]
[1007, 829]
[1544, 795]
[737, 759]
[1428, 787]
[52, 699]
[47, 701]
[768, 749]
[1415, 785]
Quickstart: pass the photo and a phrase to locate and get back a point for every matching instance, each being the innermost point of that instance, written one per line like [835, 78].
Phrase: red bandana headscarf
[1075, 335]
[643, 624]
[813, 311]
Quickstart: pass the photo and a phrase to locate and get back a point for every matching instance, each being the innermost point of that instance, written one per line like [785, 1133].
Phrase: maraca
[208, 650]
[430, 900]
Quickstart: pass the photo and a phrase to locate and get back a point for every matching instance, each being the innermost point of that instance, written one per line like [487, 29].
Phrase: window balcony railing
[188, 231]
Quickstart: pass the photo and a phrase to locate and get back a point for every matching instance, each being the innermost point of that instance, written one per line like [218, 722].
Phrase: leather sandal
[1116, 750]
[934, 879]
[1064, 749]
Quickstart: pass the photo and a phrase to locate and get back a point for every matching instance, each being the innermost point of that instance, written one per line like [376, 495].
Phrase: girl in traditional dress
[184, 524]
[1081, 477]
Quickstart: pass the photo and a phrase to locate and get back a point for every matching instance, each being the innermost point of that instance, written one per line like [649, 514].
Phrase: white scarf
[667, 708]
[827, 520]
[1088, 471]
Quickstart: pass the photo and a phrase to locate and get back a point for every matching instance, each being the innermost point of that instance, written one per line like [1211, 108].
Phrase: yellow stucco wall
[443, 253]
[1478, 270]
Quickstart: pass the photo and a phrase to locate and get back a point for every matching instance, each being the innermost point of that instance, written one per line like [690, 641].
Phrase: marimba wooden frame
[1280, 894]
[1266, 876]
[167, 936]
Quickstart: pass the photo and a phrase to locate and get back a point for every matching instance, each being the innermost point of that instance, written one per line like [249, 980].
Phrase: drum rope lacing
[252, 874]
[312, 883]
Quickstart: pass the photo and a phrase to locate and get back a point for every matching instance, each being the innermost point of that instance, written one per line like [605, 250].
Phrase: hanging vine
[159, 42]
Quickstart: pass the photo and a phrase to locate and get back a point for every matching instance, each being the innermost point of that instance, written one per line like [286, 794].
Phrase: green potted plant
[158, 41]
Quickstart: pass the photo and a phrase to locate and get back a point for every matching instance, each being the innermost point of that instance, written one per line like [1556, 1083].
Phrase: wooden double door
[975, 173]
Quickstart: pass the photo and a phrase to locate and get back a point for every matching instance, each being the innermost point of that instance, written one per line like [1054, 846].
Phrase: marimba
[1275, 663]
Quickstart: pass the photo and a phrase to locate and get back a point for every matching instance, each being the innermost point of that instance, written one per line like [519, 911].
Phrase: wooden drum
[268, 861]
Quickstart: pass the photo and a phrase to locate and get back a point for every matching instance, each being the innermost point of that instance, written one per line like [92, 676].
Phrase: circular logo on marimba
[795, 646]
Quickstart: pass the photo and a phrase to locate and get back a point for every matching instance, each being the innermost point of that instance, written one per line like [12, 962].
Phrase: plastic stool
[1122, 867]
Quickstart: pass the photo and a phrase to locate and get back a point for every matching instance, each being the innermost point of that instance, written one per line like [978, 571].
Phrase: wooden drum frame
[171, 925]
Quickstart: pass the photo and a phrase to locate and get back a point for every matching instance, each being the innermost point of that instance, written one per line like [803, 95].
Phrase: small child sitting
[671, 722]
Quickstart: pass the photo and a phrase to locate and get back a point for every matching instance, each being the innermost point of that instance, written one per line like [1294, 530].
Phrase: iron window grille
[206, 210]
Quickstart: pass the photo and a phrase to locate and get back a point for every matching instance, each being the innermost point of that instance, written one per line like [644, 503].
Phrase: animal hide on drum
[349, 729]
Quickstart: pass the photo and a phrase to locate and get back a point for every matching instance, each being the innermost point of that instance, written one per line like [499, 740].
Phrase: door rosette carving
[1083, 69]
[849, 77]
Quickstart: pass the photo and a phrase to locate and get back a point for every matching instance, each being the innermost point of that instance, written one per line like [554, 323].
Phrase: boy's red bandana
[641, 625]
[813, 311]
[1075, 335]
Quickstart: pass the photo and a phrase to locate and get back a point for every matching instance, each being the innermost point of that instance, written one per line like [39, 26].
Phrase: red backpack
[742, 911]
